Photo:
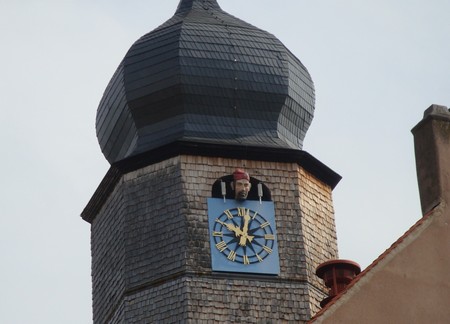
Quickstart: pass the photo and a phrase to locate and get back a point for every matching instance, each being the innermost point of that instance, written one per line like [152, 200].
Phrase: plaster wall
[410, 285]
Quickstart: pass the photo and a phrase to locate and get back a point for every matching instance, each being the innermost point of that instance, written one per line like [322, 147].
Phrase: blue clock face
[243, 236]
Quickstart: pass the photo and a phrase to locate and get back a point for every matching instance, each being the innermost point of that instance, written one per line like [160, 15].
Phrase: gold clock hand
[237, 231]
[245, 236]
[246, 220]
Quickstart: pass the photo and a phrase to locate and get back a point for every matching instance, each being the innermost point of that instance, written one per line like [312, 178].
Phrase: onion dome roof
[205, 76]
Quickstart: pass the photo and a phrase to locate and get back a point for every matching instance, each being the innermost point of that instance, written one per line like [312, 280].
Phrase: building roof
[374, 264]
[409, 282]
[205, 76]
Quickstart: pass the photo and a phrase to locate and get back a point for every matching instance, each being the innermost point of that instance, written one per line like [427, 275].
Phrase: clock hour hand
[237, 231]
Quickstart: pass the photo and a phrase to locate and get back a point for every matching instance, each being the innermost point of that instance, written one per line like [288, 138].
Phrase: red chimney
[337, 275]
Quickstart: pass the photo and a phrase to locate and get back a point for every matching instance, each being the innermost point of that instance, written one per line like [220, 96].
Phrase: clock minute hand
[245, 236]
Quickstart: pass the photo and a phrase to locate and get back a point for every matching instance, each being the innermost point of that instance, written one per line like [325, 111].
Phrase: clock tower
[199, 108]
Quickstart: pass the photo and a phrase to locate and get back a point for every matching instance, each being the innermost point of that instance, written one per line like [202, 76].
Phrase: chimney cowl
[337, 275]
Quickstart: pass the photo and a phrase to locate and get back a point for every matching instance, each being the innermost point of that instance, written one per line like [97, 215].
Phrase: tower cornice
[114, 174]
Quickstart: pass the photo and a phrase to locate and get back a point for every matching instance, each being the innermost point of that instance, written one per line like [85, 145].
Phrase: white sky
[377, 65]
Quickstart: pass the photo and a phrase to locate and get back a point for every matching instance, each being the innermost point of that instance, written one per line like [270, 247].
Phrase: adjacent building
[409, 283]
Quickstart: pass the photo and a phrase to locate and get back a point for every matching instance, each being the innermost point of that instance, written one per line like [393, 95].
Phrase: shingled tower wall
[150, 247]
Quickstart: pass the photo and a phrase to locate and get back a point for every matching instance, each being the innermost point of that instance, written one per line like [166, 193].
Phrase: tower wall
[151, 253]
[318, 230]
[108, 255]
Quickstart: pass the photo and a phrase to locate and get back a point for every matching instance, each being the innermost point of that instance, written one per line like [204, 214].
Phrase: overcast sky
[377, 65]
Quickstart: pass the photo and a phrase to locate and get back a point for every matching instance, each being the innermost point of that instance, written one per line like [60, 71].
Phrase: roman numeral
[229, 214]
[243, 211]
[221, 246]
[264, 224]
[232, 256]
[220, 222]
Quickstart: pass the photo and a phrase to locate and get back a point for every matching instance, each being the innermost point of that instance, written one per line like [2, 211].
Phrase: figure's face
[241, 189]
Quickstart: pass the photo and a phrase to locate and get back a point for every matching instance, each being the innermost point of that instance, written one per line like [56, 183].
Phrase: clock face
[243, 236]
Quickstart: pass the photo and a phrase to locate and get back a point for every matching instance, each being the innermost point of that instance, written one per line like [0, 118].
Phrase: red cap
[240, 174]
